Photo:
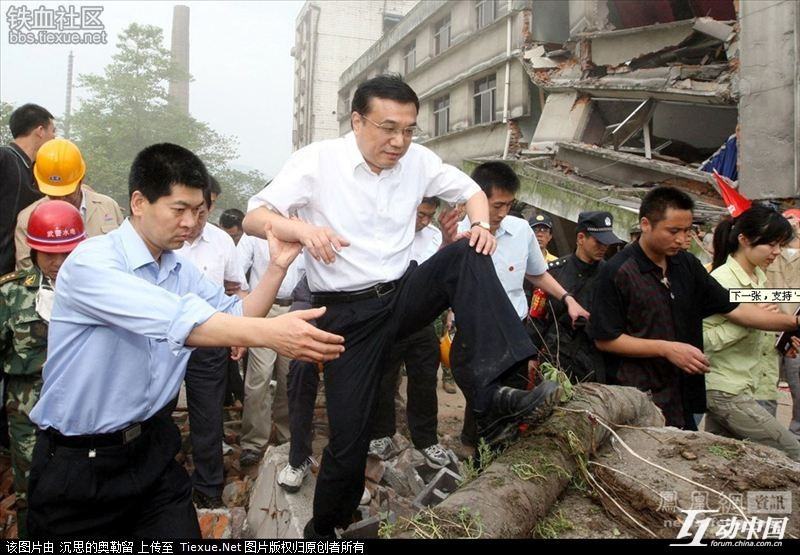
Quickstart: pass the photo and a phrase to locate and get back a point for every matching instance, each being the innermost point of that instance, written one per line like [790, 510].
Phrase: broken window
[441, 115]
[484, 99]
[410, 58]
[678, 132]
[441, 37]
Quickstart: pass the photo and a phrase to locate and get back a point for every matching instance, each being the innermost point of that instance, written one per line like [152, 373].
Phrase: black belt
[283, 302]
[120, 437]
[380, 290]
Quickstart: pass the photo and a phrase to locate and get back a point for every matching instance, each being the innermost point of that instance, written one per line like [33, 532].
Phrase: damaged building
[664, 95]
[592, 99]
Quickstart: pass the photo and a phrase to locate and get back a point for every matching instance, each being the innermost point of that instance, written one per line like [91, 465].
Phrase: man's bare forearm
[284, 229]
[478, 208]
[548, 284]
[224, 330]
[260, 300]
[629, 346]
[752, 316]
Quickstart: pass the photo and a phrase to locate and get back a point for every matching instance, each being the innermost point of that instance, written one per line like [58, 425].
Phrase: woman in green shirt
[742, 247]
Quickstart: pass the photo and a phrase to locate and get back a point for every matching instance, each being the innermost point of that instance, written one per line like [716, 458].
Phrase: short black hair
[389, 86]
[28, 117]
[158, 167]
[433, 201]
[655, 203]
[496, 174]
[232, 217]
[212, 189]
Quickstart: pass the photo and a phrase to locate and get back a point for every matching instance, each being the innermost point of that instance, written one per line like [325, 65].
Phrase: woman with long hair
[743, 246]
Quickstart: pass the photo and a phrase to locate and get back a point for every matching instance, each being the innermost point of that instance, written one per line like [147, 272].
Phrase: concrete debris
[440, 487]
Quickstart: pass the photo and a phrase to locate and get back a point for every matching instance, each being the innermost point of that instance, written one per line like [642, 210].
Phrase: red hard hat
[55, 226]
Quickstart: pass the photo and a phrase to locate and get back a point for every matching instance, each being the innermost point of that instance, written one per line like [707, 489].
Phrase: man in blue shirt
[125, 319]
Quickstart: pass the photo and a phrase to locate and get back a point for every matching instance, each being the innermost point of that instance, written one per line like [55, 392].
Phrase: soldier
[26, 297]
[569, 345]
[59, 173]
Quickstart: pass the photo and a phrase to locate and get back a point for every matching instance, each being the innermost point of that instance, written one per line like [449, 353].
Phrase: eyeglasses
[391, 130]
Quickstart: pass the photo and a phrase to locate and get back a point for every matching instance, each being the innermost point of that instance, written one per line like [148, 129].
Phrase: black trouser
[301, 389]
[489, 342]
[234, 387]
[420, 352]
[206, 374]
[516, 377]
[124, 490]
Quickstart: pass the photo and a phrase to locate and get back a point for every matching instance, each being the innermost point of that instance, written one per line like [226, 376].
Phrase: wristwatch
[484, 225]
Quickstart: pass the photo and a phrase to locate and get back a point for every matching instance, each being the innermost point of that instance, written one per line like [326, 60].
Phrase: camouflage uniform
[23, 348]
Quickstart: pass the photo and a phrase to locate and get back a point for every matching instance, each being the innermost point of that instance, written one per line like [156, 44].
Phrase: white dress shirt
[328, 184]
[214, 254]
[254, 256]
[517, 254]
[426, 242]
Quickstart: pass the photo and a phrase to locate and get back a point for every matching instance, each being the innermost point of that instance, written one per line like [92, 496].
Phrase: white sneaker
[291, 478]
[366, 497]
[436, 456]
[382, 448]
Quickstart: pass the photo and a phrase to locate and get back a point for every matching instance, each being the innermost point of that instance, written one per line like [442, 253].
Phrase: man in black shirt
[569, 345]
[650, 301]
[31, 126]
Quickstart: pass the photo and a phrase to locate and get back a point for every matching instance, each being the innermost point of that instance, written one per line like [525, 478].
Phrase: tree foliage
[128, 108]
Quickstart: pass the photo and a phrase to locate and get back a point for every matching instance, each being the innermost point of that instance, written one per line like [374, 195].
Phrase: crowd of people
[337, 273]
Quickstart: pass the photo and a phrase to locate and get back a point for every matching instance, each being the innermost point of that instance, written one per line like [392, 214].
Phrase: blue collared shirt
[116, 352]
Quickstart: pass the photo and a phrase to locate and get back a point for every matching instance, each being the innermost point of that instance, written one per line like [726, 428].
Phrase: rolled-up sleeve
[101, 294]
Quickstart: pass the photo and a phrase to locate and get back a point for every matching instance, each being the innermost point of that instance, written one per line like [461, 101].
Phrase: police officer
[567, 344]
[26, 297]
[542, 226]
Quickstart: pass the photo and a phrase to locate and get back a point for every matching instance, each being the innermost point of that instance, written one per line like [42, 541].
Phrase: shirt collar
[356, 159]
[21, 153]
[741, 275]
[139, 256]
[83, 202]
[646, 265]
[204, 236]
[503, 228]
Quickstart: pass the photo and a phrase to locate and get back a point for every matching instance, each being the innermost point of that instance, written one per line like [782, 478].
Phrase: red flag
[735, 202]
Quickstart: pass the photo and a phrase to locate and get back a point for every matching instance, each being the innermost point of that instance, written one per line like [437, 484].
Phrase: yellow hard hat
[444, 349]
[59, 167]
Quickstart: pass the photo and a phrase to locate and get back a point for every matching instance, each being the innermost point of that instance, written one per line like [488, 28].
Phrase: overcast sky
[239, 56]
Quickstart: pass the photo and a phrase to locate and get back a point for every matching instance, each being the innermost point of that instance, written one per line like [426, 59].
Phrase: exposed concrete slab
[613, 48]
[563, 118]
[273, 512]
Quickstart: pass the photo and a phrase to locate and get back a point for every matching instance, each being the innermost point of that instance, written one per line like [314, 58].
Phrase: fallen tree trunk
[518, 488]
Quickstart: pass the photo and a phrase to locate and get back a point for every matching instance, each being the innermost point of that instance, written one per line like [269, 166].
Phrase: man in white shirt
[518, 257]
[260, 411]
[420, 353]
[212, 251]
[355, 198]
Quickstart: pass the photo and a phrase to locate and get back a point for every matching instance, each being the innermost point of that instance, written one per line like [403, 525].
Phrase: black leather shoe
[309, 533]
[512, 407]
